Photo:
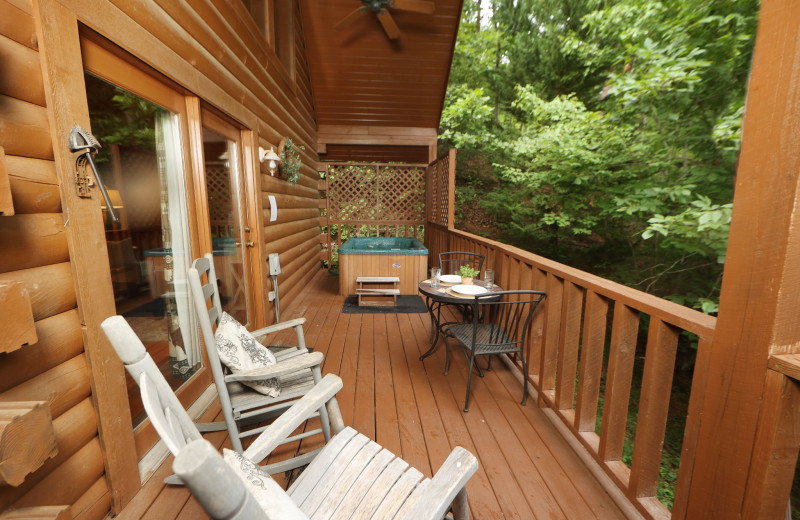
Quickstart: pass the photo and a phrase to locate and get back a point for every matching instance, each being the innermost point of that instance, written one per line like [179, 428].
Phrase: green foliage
[606, 133]
[467, 271]
[120, 117]
[290, 160]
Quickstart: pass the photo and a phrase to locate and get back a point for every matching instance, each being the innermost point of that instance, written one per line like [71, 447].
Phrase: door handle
[248, 243]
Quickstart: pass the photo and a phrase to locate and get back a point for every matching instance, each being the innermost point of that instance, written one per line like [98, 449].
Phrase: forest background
[603, 134]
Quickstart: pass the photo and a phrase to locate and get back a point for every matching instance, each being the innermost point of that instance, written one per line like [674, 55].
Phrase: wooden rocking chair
[351, 477]
[297, 369]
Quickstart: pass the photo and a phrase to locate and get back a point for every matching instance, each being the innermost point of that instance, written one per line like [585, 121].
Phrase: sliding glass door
[142, 126]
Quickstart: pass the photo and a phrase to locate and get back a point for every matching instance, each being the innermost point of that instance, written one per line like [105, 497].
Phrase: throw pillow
[269, 495]
[239, 351]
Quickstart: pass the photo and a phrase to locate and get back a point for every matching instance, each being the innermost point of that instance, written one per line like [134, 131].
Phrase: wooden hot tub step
[379, 295]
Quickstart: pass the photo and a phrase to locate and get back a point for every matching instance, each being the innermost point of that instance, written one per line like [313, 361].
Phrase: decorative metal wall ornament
[83, 146]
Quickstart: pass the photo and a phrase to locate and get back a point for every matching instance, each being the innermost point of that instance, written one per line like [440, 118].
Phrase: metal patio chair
[501, 327]
[451, 261]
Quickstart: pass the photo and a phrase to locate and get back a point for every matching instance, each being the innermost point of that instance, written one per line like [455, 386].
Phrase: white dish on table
[472, 290]
[450, 278]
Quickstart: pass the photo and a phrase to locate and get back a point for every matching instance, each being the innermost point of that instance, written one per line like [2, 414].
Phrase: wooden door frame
[62, 69]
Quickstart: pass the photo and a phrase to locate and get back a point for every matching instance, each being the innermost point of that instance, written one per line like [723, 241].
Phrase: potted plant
[467, 274]
[290, 159]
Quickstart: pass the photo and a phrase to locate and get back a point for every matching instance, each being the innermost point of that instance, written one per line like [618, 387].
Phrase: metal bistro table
[435, 297]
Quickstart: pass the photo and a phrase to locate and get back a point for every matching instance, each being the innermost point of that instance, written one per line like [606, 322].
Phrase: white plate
[450, 278]
[469, 289]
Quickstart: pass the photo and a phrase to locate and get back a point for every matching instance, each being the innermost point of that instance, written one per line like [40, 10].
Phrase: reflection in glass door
[226, 209]
[149, 248]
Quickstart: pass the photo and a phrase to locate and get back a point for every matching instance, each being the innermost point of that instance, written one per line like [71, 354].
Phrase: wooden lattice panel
[218, 183]
[439, 190]
[374, 200]
[373, 192]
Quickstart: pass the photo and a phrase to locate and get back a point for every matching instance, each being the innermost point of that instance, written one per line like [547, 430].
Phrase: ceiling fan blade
[417, 6]
[392, 31]
[350, 18]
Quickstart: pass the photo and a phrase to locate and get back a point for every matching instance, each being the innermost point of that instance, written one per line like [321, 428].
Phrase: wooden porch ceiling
[527, 469]
[361, 79]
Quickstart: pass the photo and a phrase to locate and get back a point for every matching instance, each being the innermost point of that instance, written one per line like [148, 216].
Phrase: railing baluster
[624, 331]
[662, 346]
[568, 346]
[547, 380]
[526, 280]
[537, 330]
[594, 338]
[692, 429]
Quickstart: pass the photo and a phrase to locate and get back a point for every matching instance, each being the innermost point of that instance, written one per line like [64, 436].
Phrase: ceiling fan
[381, 10]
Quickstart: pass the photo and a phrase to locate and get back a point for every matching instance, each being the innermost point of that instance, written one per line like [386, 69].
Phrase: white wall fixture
[270, 157]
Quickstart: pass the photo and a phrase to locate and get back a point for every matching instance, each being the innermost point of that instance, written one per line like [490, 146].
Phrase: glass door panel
[149, 249]
[230, 237]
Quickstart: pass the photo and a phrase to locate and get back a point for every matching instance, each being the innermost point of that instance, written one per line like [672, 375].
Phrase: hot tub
[405, 258]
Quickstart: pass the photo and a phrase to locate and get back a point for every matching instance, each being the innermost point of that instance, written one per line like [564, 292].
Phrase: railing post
[759, 302]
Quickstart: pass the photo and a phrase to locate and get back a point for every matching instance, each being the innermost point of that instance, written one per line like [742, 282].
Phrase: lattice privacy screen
[374, 200]
[376, 192]
[439, 179]
[220, 201]
[218, 183]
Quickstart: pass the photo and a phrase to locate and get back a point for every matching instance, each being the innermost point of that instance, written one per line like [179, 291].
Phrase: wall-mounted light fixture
[271, 158]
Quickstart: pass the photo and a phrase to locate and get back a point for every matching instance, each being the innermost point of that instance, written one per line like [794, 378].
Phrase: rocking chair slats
[361, 487]
[387, 479]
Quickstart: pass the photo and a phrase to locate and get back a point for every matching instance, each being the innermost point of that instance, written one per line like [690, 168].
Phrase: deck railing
[571, 351]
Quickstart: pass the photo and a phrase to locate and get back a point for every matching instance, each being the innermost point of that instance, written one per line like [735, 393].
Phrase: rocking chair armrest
[278, 327]
[435, 498]
[290, 366]
[289, 420]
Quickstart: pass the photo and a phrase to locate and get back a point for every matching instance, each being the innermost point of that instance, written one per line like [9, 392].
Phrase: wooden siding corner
[27, 439]
[6, 202]
[15, 306]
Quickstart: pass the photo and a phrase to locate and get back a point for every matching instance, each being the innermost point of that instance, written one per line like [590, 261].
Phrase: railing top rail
[380, 165]
[376, 221]
[683, 317]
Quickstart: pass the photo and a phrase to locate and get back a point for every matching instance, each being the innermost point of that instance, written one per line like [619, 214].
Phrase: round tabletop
[443, 294]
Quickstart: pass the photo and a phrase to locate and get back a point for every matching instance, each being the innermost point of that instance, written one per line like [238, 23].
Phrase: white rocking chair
[351, 477]
[297, 369]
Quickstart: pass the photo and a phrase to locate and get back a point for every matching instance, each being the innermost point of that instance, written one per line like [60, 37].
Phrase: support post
[761, 284]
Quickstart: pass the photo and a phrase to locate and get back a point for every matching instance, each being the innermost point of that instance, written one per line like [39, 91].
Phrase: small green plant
[467, 271]
[290, 160]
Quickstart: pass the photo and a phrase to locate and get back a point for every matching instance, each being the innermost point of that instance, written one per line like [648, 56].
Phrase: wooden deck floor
[527, 471]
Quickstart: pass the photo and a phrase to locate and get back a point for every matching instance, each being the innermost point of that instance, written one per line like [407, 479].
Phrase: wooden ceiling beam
[346, 134]
[362, 141]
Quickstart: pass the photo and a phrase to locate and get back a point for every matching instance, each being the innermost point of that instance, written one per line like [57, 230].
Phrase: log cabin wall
[215, 51]
[34, 252]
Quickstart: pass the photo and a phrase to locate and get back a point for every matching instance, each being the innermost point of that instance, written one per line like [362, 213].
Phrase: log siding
[211, 51]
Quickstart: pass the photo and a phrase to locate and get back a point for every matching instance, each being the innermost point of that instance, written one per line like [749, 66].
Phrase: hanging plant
[290, 159]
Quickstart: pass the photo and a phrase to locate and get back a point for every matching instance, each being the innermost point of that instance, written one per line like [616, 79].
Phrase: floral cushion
[269, 495]
[239, 351]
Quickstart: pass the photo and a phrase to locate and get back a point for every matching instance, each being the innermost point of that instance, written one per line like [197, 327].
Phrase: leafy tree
[605, 133]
